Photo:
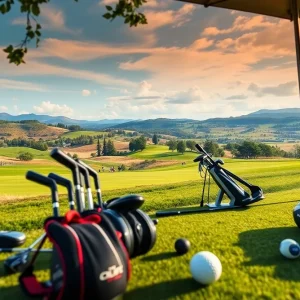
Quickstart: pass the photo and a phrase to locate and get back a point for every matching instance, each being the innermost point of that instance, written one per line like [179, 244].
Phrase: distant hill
[33, 130]
[61, 119]
[264, 125]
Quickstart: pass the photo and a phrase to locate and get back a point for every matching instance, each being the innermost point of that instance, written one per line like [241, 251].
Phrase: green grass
[14, 151]
[160, 152]
[246, 240]
[75, 134]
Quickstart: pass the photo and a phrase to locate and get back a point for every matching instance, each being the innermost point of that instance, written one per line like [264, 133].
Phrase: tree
[155, 139]
[126, 9]
[75, 156]
[181, 146]
[132, 145]
[99, 148]
[172, 145]
[190, 144]
[25, 156]
[213, 148]
[111, 150]
[141, 143]
[104, 150]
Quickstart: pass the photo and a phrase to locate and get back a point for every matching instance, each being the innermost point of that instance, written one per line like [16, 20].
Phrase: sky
[188, 62]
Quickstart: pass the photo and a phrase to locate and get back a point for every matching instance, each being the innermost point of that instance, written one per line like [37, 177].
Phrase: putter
[17, 262]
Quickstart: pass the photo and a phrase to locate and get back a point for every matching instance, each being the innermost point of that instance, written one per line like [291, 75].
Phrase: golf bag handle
[93, 174]
[70, 163]
[38, 178]
[201, 149]
[67, 184]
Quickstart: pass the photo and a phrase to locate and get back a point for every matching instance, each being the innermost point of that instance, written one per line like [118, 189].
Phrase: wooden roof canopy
[284, 9]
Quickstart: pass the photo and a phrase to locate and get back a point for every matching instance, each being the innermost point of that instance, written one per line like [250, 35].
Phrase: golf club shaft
[8, 250]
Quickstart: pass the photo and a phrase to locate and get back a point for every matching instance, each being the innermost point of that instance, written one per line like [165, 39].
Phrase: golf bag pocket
[87, 263]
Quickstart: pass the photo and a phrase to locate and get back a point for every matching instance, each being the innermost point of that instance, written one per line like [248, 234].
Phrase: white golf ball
[205, 267]
[289, 248]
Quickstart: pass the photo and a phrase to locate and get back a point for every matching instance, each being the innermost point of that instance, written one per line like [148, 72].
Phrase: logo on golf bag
[113, 273]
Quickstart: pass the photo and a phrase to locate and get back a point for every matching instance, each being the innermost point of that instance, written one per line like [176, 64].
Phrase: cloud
[51, 19]
[201, 44]
[192, 95]
[3, 108]
[237, 97]
[20, 85]
[86, 93]
[240, 24]
[46, 107]
[281, 90]
[37, 68]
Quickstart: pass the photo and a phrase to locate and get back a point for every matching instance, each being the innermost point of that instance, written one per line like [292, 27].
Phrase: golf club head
[126, 203]
[11, 239]
[16, 263]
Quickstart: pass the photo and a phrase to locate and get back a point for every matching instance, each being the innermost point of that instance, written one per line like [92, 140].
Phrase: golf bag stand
[227, 183]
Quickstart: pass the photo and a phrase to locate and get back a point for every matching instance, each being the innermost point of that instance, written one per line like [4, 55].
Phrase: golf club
[66, 183]
[65, 160]
[17, 262]
[93, 174]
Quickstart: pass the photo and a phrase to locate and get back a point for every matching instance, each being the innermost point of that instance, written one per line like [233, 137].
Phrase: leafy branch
[126, 9]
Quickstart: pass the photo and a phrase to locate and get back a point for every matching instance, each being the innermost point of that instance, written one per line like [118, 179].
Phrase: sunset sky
[188, 62]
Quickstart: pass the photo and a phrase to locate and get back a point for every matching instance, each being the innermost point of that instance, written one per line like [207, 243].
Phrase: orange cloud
[240, 24]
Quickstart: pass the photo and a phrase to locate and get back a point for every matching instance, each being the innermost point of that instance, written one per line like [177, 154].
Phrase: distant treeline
[38, 145]
[250, 149]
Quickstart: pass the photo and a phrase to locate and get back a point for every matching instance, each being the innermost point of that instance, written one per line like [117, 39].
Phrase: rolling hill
[64, 120]
[33, 130]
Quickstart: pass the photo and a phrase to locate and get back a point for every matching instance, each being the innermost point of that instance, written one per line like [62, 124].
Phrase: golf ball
[182, 246]
[289, 248]
[205, 267]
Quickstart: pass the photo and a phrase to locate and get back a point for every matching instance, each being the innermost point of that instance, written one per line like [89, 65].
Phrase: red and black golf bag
[89, 260]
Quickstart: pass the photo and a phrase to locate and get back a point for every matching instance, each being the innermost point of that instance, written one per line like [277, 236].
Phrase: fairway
[246, 240]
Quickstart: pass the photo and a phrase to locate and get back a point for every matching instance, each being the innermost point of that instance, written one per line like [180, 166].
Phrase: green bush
[25, 156]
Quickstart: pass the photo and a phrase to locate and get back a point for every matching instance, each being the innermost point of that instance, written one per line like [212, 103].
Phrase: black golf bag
[89, 260]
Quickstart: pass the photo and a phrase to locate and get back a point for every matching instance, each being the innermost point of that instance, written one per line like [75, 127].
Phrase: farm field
[75, 134]
[245, 240]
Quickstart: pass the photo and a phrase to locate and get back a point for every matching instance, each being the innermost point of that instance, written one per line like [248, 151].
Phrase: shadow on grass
[164, 290]
[160, 256]
[262, 247]
[177, 211]
[274, 203]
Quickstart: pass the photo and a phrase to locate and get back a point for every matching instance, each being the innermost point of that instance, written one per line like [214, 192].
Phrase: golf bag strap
[28, 281]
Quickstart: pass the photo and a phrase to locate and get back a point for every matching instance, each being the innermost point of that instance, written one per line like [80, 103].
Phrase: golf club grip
[41, 179]
[66, 183]
[38, 178]
[63, 158]
[70, 163]
[61, 180]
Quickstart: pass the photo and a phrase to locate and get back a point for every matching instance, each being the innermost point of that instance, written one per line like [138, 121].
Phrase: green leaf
[109, 8]
[35, 9]
[8, 6]
[38, 26]
[3, 9]
[38, 33]
[8, 49]
[107, 16]
[30, 34]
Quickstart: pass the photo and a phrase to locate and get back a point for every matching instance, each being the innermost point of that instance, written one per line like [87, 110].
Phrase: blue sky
[188, 62]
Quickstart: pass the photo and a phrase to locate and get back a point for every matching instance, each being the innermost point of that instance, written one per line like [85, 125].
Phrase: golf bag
[89, 260]
[137, 228]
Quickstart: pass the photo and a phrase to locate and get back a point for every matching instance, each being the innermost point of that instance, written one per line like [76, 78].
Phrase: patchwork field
[245, 240]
